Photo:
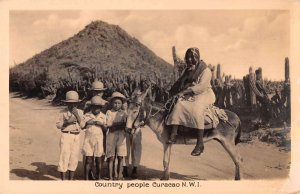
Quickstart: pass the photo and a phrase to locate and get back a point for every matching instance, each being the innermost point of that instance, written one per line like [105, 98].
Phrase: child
[134, 153]
[70, 122]
[97, 89]
[93, 142]
[115, 139]
[134, 149]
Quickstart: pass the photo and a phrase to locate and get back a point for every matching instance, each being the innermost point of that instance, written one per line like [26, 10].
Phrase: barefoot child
[97, 89]
[115, 139]
[93, 142]
[70, 123]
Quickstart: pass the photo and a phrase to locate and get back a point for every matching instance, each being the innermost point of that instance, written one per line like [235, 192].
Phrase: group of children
[104, 125]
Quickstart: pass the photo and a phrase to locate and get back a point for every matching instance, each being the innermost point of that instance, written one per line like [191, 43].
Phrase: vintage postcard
[153, 97]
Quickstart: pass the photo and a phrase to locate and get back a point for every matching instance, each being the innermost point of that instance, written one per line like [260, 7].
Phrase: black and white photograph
[119, 96]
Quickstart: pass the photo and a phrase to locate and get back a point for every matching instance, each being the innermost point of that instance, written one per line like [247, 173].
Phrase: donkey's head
[137, 109]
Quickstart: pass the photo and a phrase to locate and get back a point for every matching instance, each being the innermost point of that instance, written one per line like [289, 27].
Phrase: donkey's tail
[239, 133]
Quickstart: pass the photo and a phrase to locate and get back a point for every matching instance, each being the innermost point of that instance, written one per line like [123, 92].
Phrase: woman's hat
[97, 86]
[117, 95]
[98, 101]
[72, 97]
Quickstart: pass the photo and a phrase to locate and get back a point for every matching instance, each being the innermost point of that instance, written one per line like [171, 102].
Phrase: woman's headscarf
[189, 76]
[195, 53]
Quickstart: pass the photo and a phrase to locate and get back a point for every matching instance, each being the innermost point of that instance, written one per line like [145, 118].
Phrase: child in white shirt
[93, 142]
[70, 123]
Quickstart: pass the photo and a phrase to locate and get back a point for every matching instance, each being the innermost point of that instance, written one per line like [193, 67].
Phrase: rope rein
[167, 107]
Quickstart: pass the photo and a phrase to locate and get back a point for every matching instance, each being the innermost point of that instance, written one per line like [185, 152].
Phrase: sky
[236, 39]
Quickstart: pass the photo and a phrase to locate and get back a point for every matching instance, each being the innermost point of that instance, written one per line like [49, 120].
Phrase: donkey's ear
[152, 97]
[144, 94]
[152, 94]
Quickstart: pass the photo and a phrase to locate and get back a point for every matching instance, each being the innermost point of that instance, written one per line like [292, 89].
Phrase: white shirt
[94, 129]
[66, 115]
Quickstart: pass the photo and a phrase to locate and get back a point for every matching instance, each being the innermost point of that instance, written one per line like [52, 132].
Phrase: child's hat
[97, 86]
[117, 95]
[72, 96]
[98, 101]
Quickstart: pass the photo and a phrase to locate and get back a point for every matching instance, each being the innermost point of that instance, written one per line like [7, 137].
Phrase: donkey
[141, 112]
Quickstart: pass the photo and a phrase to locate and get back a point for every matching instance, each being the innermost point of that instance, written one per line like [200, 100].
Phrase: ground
[34, 151]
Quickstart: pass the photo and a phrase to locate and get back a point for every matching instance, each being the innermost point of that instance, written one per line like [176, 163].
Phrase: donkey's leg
[233, 153]
[166, 161]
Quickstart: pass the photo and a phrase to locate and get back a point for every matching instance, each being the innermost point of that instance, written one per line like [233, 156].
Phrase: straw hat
[71, 97]
[117, 95]
[97, 86]
[98, 101]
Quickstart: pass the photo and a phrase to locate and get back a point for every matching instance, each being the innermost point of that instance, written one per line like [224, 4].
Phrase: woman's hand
[180, 94]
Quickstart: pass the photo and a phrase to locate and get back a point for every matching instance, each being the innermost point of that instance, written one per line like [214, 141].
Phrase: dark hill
[99, 44]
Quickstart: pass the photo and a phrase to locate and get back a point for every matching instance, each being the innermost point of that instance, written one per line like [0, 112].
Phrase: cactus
[287, 69]
[213, 77]
[250, 70]
[218, 71]
[174, 54]
[258, 73]
[226, 79]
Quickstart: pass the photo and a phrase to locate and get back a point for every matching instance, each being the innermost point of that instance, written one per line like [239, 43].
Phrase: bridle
[145, 119]
[167, 107]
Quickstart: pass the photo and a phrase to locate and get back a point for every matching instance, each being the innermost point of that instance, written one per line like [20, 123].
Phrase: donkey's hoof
[134, 175]
[171, 141]
[237, 178]
[165, 178]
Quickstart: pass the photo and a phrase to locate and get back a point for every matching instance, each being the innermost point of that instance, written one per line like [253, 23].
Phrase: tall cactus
[213, 77]
[287, 69]
[218, 71]
[175, 72]
[286, 93]
[179, 64]
[259, 75]
[174, 53]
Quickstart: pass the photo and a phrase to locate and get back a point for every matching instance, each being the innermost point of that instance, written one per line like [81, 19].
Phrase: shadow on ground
[145, 173]
[40, 173]
[21, 95]
[49, 172]
[45, 172]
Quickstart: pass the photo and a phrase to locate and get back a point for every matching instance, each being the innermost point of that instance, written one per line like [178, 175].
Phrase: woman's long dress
[190, 112]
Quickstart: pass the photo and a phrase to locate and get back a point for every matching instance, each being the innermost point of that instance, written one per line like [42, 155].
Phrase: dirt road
[34, 151]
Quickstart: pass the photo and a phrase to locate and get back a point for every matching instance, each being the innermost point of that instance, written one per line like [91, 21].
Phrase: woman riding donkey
[194, 93]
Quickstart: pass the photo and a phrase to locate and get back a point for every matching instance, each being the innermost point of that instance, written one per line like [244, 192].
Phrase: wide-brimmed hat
[98, 101]
[97, 86]
[117, 95]
[72, 97]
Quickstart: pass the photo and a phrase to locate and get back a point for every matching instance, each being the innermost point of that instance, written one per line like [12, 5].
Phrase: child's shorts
[116, 143]
[93, 145]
